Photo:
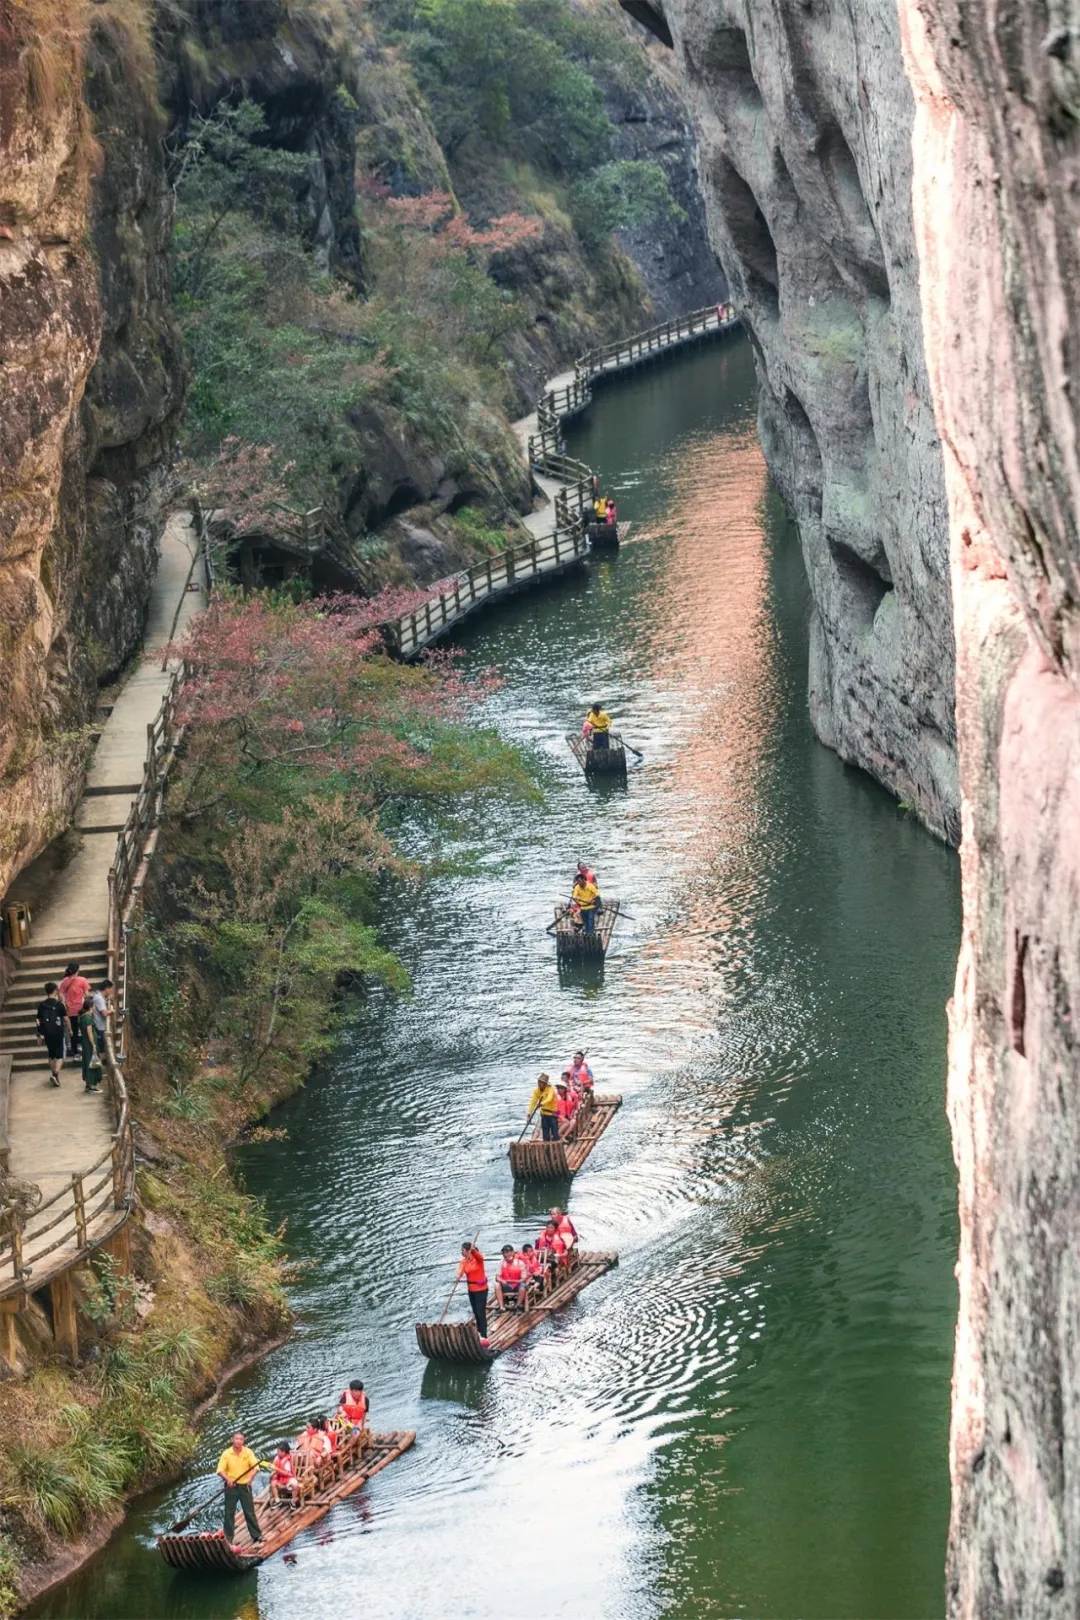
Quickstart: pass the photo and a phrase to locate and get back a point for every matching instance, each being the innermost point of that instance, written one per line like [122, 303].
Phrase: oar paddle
[182, 1524]
[453, 1290]
[631, 747]
[528, 1122]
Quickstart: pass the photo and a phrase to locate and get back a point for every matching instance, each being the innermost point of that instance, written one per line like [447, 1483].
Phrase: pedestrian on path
[238, 1467]
[52, 1028]
[74, 990]
[102, 1000]
[91, 1062]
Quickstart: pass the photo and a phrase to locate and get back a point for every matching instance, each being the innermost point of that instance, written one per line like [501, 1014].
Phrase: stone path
[55, 1133]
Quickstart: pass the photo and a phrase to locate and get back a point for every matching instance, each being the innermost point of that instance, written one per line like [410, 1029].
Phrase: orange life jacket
[355, 1407]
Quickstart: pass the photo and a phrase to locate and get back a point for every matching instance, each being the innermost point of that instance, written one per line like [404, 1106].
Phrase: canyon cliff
[90, 385]
[878, 181]
[997, 161]
[804, 118]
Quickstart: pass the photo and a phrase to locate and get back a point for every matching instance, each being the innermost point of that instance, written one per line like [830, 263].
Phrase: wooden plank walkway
[57, 1134]
[537, 1160]
[558, 531]
[280, 1522]
[459, 1341]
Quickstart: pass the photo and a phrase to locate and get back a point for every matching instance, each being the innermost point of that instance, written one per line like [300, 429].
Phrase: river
[749, 1415]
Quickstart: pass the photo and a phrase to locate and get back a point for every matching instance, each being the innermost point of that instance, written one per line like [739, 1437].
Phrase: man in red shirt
[73, 990]
[512, 1278]
[472, 1269]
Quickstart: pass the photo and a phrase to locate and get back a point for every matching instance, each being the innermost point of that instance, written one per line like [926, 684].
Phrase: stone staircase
[37, 965]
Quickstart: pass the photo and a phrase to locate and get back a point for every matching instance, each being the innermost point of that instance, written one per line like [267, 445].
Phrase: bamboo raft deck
[607, 536]
[340, 1477]
[574, 942]
[537, 1160]
[609, 761]
[459, 1341]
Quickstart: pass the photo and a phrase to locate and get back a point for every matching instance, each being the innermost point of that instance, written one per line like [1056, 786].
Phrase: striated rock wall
[997, 207]
[89, 385]
[804, 118]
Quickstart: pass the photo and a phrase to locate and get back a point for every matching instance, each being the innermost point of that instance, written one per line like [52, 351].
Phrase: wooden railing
[559, 403]
[493, 577]
[136, 844]
[78, 1218]
[628, 351]
[410, 634]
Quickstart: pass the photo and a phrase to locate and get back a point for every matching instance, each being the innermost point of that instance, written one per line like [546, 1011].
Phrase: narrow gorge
[304, 264]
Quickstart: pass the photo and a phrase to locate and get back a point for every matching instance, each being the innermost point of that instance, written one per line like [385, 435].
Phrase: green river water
[749, 1416]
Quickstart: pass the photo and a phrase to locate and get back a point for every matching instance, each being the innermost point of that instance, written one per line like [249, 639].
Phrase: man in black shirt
[51, 1027]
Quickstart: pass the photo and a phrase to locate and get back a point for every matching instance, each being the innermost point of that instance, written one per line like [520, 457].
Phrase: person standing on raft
[472, 1269]
[586, 897]
[597, 727]
[546, 1098]
[238, 1466]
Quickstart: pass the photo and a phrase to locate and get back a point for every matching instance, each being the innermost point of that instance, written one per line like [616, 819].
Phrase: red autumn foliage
[436, 215]
[281, 687]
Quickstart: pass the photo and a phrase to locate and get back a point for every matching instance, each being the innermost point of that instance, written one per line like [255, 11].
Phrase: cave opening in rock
[866, 586]
[750, 235]
[863, 254]
[724, 65]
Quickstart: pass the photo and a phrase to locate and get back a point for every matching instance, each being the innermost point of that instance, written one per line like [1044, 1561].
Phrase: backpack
[51, 1017]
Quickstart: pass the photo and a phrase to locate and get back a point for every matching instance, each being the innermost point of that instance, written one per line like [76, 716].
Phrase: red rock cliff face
[997, 208]
[90, 381]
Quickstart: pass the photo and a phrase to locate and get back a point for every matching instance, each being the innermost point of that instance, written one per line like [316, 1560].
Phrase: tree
[618, 195]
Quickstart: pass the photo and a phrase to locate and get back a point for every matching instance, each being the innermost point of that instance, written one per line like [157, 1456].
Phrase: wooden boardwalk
[459, 1341]
[537, 1160]
[559, 537]
[63, 1140]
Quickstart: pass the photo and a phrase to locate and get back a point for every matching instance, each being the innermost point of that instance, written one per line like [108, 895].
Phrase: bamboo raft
[609, 761]
[352, 1466]
[607, 536]
[537, 1160]
[575, 942]
[459, 1341]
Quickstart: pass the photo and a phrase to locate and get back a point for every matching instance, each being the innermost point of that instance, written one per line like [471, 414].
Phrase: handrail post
[16, 1246]
[117, 1173]
[80, 1209]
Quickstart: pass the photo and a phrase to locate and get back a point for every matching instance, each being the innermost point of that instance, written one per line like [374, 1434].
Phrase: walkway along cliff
[78, 1151]
[565, 482]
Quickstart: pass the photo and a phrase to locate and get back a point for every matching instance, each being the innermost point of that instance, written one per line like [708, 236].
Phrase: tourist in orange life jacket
[512, 1277]
[581, 1073]
[353, 1405]
[609, 515]
[552, 1246]
[534, 1260]
[585, 873]
[567, 1104]
[283, 1474]
[565, 1227]
[472, 1269]
[314, 1442]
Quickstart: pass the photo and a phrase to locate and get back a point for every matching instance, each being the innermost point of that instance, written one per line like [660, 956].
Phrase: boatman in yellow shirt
[587, 897]
[238, 1467]
[546, 1098]
[597, 727]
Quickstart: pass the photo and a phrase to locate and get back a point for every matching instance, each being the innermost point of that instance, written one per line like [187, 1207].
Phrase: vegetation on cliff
[487, 197]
